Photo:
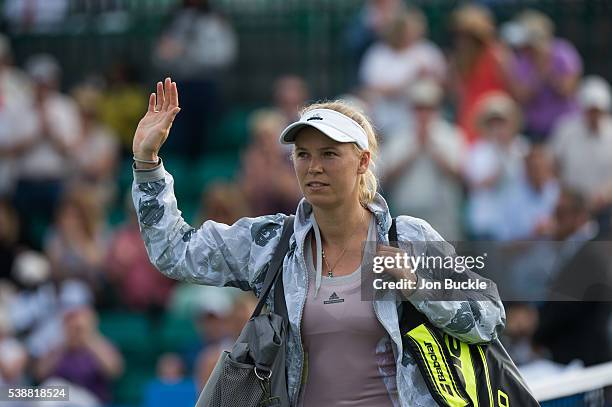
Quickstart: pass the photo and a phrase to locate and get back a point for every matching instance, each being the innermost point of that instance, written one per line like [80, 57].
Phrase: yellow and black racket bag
[460, 374]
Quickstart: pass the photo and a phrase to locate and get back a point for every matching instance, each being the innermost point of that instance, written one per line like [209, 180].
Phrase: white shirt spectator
[12, 353]
[36, 15]
[424, 189]
[385, 67]
[99, 146]
[44, 160]
[195, 44]
[15, 102]
[523, 208]
[13, 130]
[584, 158]
[488, 161]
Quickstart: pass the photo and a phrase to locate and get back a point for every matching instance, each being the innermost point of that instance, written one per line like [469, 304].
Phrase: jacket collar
[379, 207]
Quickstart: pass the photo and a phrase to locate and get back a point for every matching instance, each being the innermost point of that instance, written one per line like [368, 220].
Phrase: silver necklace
[330, 270]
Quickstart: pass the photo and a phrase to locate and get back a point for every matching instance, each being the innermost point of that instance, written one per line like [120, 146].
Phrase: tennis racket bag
[460, 374]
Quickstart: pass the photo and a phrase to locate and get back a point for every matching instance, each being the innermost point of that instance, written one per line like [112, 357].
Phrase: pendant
[330, 273]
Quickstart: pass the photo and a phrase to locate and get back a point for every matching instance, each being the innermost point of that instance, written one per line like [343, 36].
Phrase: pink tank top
[349, 359]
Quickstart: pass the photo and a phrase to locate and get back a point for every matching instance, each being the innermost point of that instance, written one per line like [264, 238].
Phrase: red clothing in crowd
[484, 77]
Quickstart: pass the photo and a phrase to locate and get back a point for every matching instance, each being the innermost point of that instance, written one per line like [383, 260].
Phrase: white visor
[333, 124]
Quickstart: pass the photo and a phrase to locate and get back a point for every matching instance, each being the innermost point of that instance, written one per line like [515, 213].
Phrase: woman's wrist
[145, 161]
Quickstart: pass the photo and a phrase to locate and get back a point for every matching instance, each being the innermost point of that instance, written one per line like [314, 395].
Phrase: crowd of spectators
[500, 138]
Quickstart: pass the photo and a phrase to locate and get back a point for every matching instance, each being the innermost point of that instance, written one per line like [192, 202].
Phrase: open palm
[154, 127]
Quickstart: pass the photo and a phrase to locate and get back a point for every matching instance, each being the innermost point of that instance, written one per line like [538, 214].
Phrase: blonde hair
[368, 183]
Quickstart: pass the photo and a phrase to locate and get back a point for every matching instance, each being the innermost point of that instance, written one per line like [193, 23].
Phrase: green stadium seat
[232, 132]
[129, 389]
[176, 333]
[130, 332]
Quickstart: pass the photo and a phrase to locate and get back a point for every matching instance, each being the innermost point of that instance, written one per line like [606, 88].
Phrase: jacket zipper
[393, 345]
[299, 333]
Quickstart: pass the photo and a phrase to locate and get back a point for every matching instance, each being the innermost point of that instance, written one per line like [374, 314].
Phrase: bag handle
[274, 273]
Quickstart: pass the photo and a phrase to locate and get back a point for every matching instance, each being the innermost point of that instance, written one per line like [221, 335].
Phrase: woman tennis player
[342, 351]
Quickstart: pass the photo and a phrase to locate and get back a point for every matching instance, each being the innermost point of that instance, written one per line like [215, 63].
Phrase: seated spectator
[170, 387]
[77, 241]
[212, 311]
[38, 16]
[521, 323]
[120, 107]
[573, 324]
[96, 153]
[265, 156]
[128, 268]
[528, 205]
[475, 63]
[86, 358]
[368, 27]
[197, 46]
[242, 309]
[543, 75]
[391, 66]
[47, 160]
[582, 145]
[224, 203]
[34, 307]
[15, 103]
[421, 166]
[290, 95]
[13, 354]
[495, 162]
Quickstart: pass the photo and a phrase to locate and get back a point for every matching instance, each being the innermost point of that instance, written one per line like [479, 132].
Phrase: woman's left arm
[473, 314]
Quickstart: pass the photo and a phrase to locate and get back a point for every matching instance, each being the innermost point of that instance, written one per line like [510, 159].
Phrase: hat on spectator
[31, 268]
[594, 93]
[514, 34]
[215, 301]
[426, 92]
[497, 105]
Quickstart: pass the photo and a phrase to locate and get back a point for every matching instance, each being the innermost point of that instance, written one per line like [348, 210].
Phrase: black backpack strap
[274, 273]
[393, 233]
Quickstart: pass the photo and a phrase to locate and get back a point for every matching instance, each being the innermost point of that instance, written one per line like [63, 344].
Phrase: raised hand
[154, 127]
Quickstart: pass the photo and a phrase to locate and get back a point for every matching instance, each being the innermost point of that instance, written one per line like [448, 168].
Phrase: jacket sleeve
[215, 254]
[471, 315]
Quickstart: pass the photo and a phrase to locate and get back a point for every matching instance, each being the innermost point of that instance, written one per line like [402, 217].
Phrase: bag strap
[411, 317]
[274, 273]
[393, 233]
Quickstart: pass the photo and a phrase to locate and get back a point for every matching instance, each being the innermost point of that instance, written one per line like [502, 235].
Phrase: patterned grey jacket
[238, 255]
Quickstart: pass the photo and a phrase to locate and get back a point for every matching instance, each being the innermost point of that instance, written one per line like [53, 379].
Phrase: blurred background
[493, 120]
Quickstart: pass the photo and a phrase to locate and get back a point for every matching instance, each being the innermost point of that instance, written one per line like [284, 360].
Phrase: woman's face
[499, 129]
[327, 171]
